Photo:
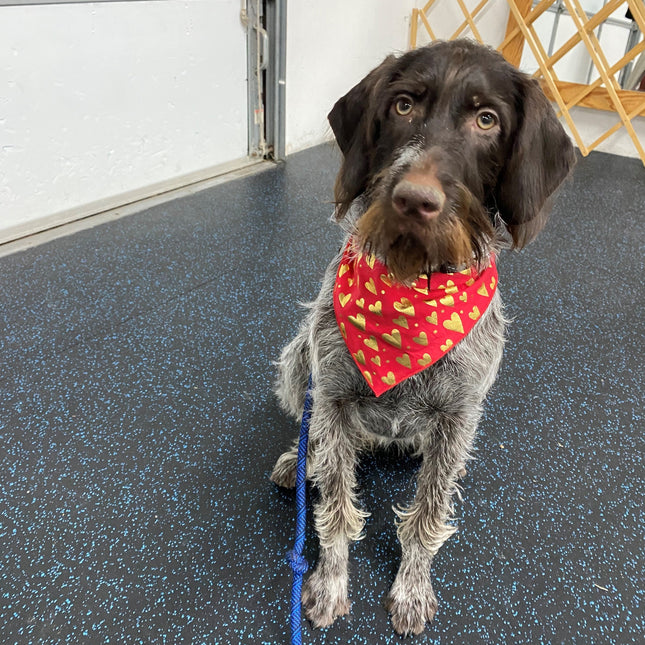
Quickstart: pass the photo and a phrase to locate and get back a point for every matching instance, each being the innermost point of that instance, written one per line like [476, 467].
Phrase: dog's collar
[393, 331]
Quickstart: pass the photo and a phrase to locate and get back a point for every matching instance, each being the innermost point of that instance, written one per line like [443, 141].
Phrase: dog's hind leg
[294, 368]
[291, 386]
[424, 526]
[337, 518]
[284, 471]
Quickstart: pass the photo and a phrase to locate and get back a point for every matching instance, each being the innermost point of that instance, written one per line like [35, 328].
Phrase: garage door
[104, 103]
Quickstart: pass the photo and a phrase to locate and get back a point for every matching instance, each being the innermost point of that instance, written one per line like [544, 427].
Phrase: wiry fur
[435, 412]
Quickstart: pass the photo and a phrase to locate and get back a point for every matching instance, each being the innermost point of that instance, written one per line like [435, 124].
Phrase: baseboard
[22, 236]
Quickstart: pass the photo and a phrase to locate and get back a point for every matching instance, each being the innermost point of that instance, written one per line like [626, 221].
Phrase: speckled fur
[434, 414]
[492, 182]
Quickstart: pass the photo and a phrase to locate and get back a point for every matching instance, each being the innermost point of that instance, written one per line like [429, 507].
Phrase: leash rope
[295, 557]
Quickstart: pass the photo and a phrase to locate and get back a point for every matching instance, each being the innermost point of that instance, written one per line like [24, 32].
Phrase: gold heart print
[392, 329]
[376, 308]
[358, 321]
[370, 286]
[394, 338]
[404, 307]
[404, 360]
[360, 357]
[425, 360]
[454, 323]
[401, 322]
[450, 287]
[372, 343]
[421, 339]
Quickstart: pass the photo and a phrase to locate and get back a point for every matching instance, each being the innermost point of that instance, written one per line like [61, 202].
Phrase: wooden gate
[604, 94]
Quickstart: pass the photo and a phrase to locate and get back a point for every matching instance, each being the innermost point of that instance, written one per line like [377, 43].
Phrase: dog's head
[440, 141]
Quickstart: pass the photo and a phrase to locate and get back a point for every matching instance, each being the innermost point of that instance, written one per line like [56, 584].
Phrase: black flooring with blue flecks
[138, 429]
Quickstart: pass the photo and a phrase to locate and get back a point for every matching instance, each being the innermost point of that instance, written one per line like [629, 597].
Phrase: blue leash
[295, 557]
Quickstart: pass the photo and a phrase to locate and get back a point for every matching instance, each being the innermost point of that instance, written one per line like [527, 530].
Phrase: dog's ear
[356, 129]
[541, 158]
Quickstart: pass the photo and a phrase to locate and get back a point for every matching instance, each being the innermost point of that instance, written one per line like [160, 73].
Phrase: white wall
[97, 100]
[331, 45]
[101, 102]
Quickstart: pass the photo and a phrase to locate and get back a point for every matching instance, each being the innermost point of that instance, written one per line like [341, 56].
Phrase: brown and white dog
[449, 155]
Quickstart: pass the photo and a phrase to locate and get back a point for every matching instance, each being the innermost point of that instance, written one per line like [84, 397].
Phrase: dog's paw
[324, 599]
[411, 608]
[284, 471]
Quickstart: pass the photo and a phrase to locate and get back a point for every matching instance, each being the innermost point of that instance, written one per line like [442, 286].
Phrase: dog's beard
[459, 236]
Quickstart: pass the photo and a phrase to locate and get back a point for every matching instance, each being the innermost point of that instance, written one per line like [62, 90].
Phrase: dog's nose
[410, 198]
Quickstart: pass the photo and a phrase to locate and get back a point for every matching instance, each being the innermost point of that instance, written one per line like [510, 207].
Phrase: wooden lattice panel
[604, 93]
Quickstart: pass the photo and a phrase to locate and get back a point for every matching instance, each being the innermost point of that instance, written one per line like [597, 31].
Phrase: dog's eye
[404, 105]
[486, 120]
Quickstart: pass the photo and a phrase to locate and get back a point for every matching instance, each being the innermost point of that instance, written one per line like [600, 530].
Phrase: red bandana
[394, 331]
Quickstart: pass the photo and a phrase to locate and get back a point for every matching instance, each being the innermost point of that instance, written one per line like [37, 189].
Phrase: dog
[450, 154]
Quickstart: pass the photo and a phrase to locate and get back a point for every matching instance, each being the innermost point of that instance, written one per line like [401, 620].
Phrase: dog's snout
[411, 198]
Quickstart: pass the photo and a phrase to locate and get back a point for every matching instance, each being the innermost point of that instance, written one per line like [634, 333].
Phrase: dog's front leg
[337, 518]
[424, 527]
